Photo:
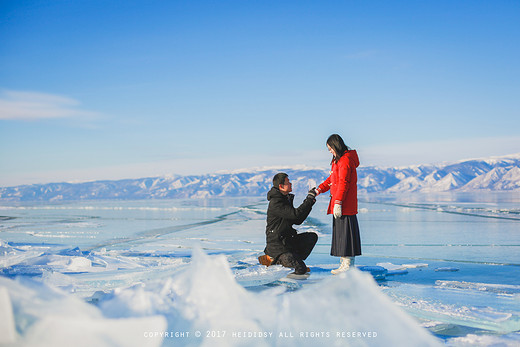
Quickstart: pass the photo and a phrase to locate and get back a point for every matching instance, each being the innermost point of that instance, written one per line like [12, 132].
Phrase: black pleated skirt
[345, 237]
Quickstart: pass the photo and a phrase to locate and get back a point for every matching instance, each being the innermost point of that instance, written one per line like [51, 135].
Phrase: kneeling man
[284, 245]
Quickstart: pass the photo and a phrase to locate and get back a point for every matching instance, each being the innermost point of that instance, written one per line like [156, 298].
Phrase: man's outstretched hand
[312, 193]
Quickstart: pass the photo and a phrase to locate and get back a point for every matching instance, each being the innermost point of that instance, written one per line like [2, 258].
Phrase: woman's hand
[337, 209]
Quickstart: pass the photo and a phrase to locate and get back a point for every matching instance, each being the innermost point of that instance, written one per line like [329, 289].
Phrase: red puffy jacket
[342, 183]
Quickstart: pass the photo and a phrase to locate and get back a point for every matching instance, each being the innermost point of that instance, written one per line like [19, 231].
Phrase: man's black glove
[312, 193]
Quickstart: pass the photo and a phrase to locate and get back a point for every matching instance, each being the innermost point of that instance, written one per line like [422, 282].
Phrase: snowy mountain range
[489, 174]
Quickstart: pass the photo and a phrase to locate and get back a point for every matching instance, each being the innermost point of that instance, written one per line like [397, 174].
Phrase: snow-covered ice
[152, 273]
[206, 298]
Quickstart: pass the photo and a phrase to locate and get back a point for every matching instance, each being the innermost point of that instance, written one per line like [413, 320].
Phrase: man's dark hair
[279, 178]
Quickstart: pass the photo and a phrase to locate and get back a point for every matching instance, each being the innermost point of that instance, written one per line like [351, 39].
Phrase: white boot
[346, 263]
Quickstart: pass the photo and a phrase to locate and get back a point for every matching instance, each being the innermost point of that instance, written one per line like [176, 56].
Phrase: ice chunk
[484, 287]
[11, 256]
[446, 269]
[97, 296]
[78, 264]
[415, 265]
[59, 263]
[4, 248]
[390, 266]
[7, 328]
[393, 269]
[71, 252]
[378, 272]
[48, 317]
[259, 274]
[296, 276]
[113, 262]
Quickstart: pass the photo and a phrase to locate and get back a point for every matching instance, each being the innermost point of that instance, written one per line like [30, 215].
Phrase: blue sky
[120, 89]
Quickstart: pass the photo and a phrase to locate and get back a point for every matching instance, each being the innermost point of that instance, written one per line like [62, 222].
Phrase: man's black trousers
[302, 246]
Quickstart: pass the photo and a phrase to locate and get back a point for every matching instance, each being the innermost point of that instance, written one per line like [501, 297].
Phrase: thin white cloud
[19, 105]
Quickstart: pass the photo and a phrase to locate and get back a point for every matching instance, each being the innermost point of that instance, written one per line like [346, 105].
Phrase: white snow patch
[7, 326]
[472, 340]
[49, 317]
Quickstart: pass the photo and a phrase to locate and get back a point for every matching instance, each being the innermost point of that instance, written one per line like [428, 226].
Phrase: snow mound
[45, 316]
[342, 310]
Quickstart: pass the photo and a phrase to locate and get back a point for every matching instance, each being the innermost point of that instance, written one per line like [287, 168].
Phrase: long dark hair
[336, 143]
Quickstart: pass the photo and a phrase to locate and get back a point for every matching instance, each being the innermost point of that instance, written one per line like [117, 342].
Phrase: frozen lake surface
[436, 269]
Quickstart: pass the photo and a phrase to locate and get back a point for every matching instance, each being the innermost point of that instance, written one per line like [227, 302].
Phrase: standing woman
[342, 184]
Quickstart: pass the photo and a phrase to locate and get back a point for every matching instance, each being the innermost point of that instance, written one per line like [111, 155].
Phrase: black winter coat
[281, 216]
